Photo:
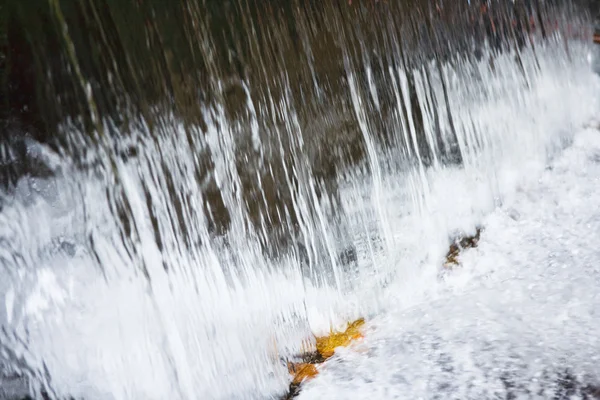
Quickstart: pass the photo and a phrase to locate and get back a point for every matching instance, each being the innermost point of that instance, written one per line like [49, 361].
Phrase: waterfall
[190, 189]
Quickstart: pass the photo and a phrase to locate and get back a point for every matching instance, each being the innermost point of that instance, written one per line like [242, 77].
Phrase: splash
[222, 184]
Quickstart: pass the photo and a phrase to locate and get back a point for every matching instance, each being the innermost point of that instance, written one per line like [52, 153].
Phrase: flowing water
[198, 188]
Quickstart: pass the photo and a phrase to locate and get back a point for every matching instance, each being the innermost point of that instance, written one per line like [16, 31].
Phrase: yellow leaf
[302, 371]
[326, 345]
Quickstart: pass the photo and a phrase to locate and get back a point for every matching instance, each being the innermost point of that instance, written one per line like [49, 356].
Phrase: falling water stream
[198, 187]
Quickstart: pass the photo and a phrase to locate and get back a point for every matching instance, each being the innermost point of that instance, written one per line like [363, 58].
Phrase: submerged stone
[460, 244]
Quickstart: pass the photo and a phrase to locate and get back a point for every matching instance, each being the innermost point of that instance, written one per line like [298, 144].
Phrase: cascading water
[202, 186]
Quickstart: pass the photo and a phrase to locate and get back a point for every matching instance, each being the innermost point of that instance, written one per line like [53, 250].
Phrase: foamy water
[95, 324]
[517, 316]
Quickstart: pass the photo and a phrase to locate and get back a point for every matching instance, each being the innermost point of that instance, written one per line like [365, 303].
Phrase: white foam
[214, 325]
[520, 311]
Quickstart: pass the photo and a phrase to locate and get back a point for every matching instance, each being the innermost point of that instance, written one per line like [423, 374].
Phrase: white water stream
[90, 324]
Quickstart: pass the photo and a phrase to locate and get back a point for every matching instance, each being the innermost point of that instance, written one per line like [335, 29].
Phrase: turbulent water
[169, 256]
[518, 320]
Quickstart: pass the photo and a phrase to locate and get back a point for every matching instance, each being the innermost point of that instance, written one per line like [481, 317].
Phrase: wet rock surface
[460, 244]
